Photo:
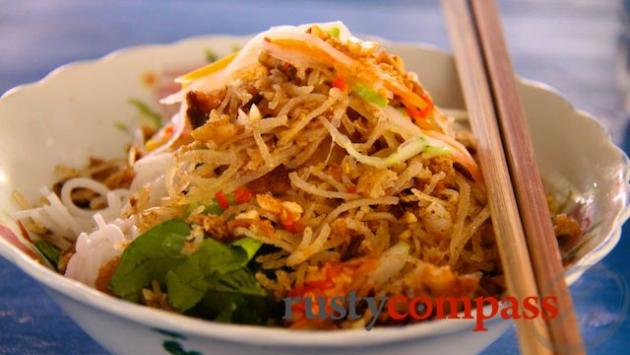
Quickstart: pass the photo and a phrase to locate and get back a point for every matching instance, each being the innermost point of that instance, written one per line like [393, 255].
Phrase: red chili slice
[222, 200]
[340, 83]
[242, 195]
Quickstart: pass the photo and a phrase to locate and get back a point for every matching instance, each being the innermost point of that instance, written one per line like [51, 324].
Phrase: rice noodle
[64, 218]
[421, 196]
[300, 124]
[475, 224]
[433, 182]
[362, 228]
[379, 216]
[306, 249]
[264, 150]
[179, 123]
[270, 123]
[98, 248]
[390, 200]
[204, 187]
[114, 198]
[309, 151]
[405, 179]
[457, 239]
[149, 168]
[312, 189]
[327, 178]
[295, 101]
[405, 151]
[229, 184]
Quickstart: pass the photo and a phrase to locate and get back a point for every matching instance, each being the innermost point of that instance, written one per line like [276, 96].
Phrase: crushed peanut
[405, 235]
[409, 218]
[251, 214]
[269, 203]
[293, 207]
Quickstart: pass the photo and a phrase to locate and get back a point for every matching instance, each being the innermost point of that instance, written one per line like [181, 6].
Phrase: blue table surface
[576, 46]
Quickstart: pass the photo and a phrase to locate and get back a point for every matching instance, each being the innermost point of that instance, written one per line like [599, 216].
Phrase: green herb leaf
[214, 268]
[235, 297]
[121, 126]
[370, 95]
[334, 32]
[186, 285]
[240, 281]
[190, 208]
[431, 151]
[213, 208]
[153, 118]
[211, 56]
[149, 257]
[251, 246]
[234, 308]
[50, 251]
[207, 267]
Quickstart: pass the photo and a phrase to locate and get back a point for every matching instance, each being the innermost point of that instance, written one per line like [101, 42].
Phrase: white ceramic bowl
[70, 115]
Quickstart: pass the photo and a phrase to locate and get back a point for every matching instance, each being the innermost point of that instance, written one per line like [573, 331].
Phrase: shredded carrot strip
[207, 69]
[420, 105]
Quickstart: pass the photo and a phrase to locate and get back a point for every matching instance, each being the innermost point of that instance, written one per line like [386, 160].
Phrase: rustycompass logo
[401, 308]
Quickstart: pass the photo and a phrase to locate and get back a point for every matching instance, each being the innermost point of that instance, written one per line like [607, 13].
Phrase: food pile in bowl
[307, 164]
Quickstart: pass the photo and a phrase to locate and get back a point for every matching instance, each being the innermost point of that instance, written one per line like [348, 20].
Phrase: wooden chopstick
[530, 193]
[519, 275]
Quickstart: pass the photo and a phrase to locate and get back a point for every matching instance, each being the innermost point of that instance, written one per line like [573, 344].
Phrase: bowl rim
[259, 335]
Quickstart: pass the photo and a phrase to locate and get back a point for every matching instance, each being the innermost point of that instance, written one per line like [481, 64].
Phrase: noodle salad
[309, 163]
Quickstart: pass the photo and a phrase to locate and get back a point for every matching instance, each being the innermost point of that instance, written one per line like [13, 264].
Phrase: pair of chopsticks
[527, 244]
